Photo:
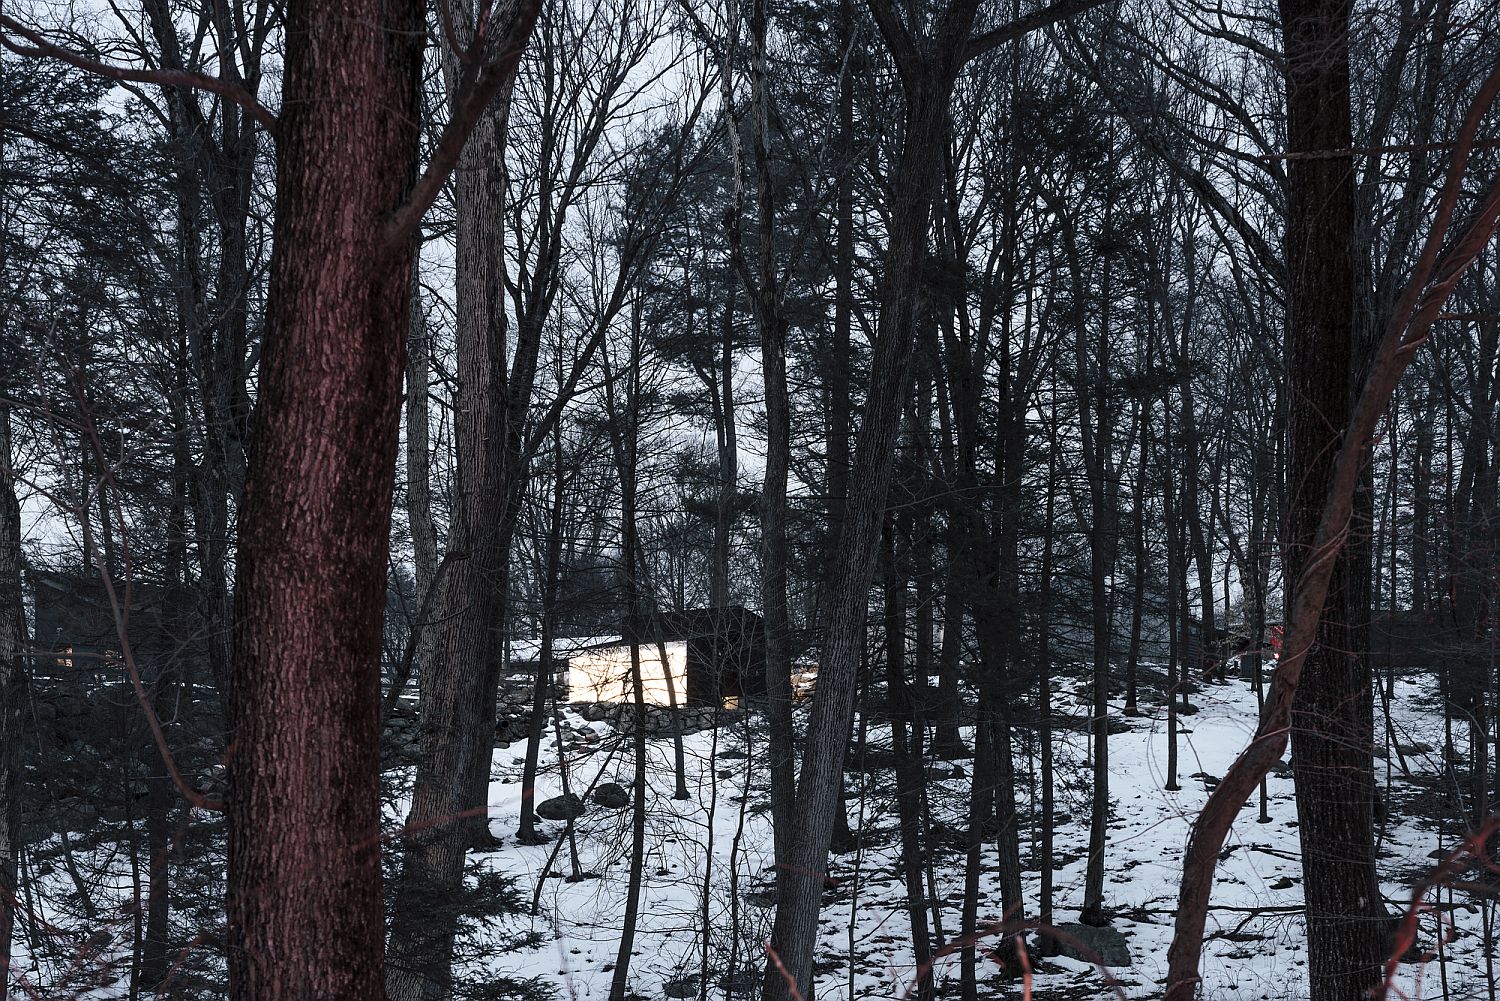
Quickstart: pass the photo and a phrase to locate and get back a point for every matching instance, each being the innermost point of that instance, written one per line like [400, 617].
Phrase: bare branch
[482, 79]
[1063, 9]
[1338, 154]
[41, 47]
[897, 38]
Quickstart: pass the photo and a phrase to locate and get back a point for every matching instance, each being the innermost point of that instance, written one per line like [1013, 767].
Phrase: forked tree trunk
[305, 907]
[449, 796]
[929, 66]
[444, 807]
[819, 783]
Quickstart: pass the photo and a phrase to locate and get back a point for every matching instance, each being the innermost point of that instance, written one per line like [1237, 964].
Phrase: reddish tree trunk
[305, 907]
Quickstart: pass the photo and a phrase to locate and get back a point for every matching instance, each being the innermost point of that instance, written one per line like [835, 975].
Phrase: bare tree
[928, 63]
[1450, 248]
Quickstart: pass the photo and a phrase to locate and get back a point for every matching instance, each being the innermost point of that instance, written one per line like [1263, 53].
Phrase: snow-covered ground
[712, 851]
[706, 904]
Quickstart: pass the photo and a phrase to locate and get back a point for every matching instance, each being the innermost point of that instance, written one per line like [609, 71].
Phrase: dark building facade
[726, 650]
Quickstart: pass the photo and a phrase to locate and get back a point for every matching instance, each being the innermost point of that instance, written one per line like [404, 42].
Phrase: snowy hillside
[708, 866]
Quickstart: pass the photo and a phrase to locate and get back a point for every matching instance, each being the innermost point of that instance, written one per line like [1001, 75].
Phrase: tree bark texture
[305, 906]
[471, 594]
[1332, 718]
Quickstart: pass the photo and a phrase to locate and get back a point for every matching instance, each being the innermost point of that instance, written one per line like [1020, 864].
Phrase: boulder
[1090, 944]
[560, 808]
[612, 796]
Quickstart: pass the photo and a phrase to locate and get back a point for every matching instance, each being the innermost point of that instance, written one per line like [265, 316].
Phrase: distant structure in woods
[74, 627]
[1415, 638]
[713, 656]
[1397, 638]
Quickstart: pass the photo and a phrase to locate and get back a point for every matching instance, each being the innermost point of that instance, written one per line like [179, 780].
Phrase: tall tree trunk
[1138, 558]
[839, 406]
[164, 688]
[1097, 441]
[1171, 520]
[551, 576]
[906, 744]
[981, 812]
[626, 441]
[766, 294]
[1470, 570]
[305, 905]
[12, 691]
[729, 463]
[419, 465]
[445, 806]
[1332, 719]
[1046, 942]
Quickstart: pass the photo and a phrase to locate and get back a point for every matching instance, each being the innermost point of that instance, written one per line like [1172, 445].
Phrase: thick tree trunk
[305, 905]
[1332, 719]
[471, 595]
